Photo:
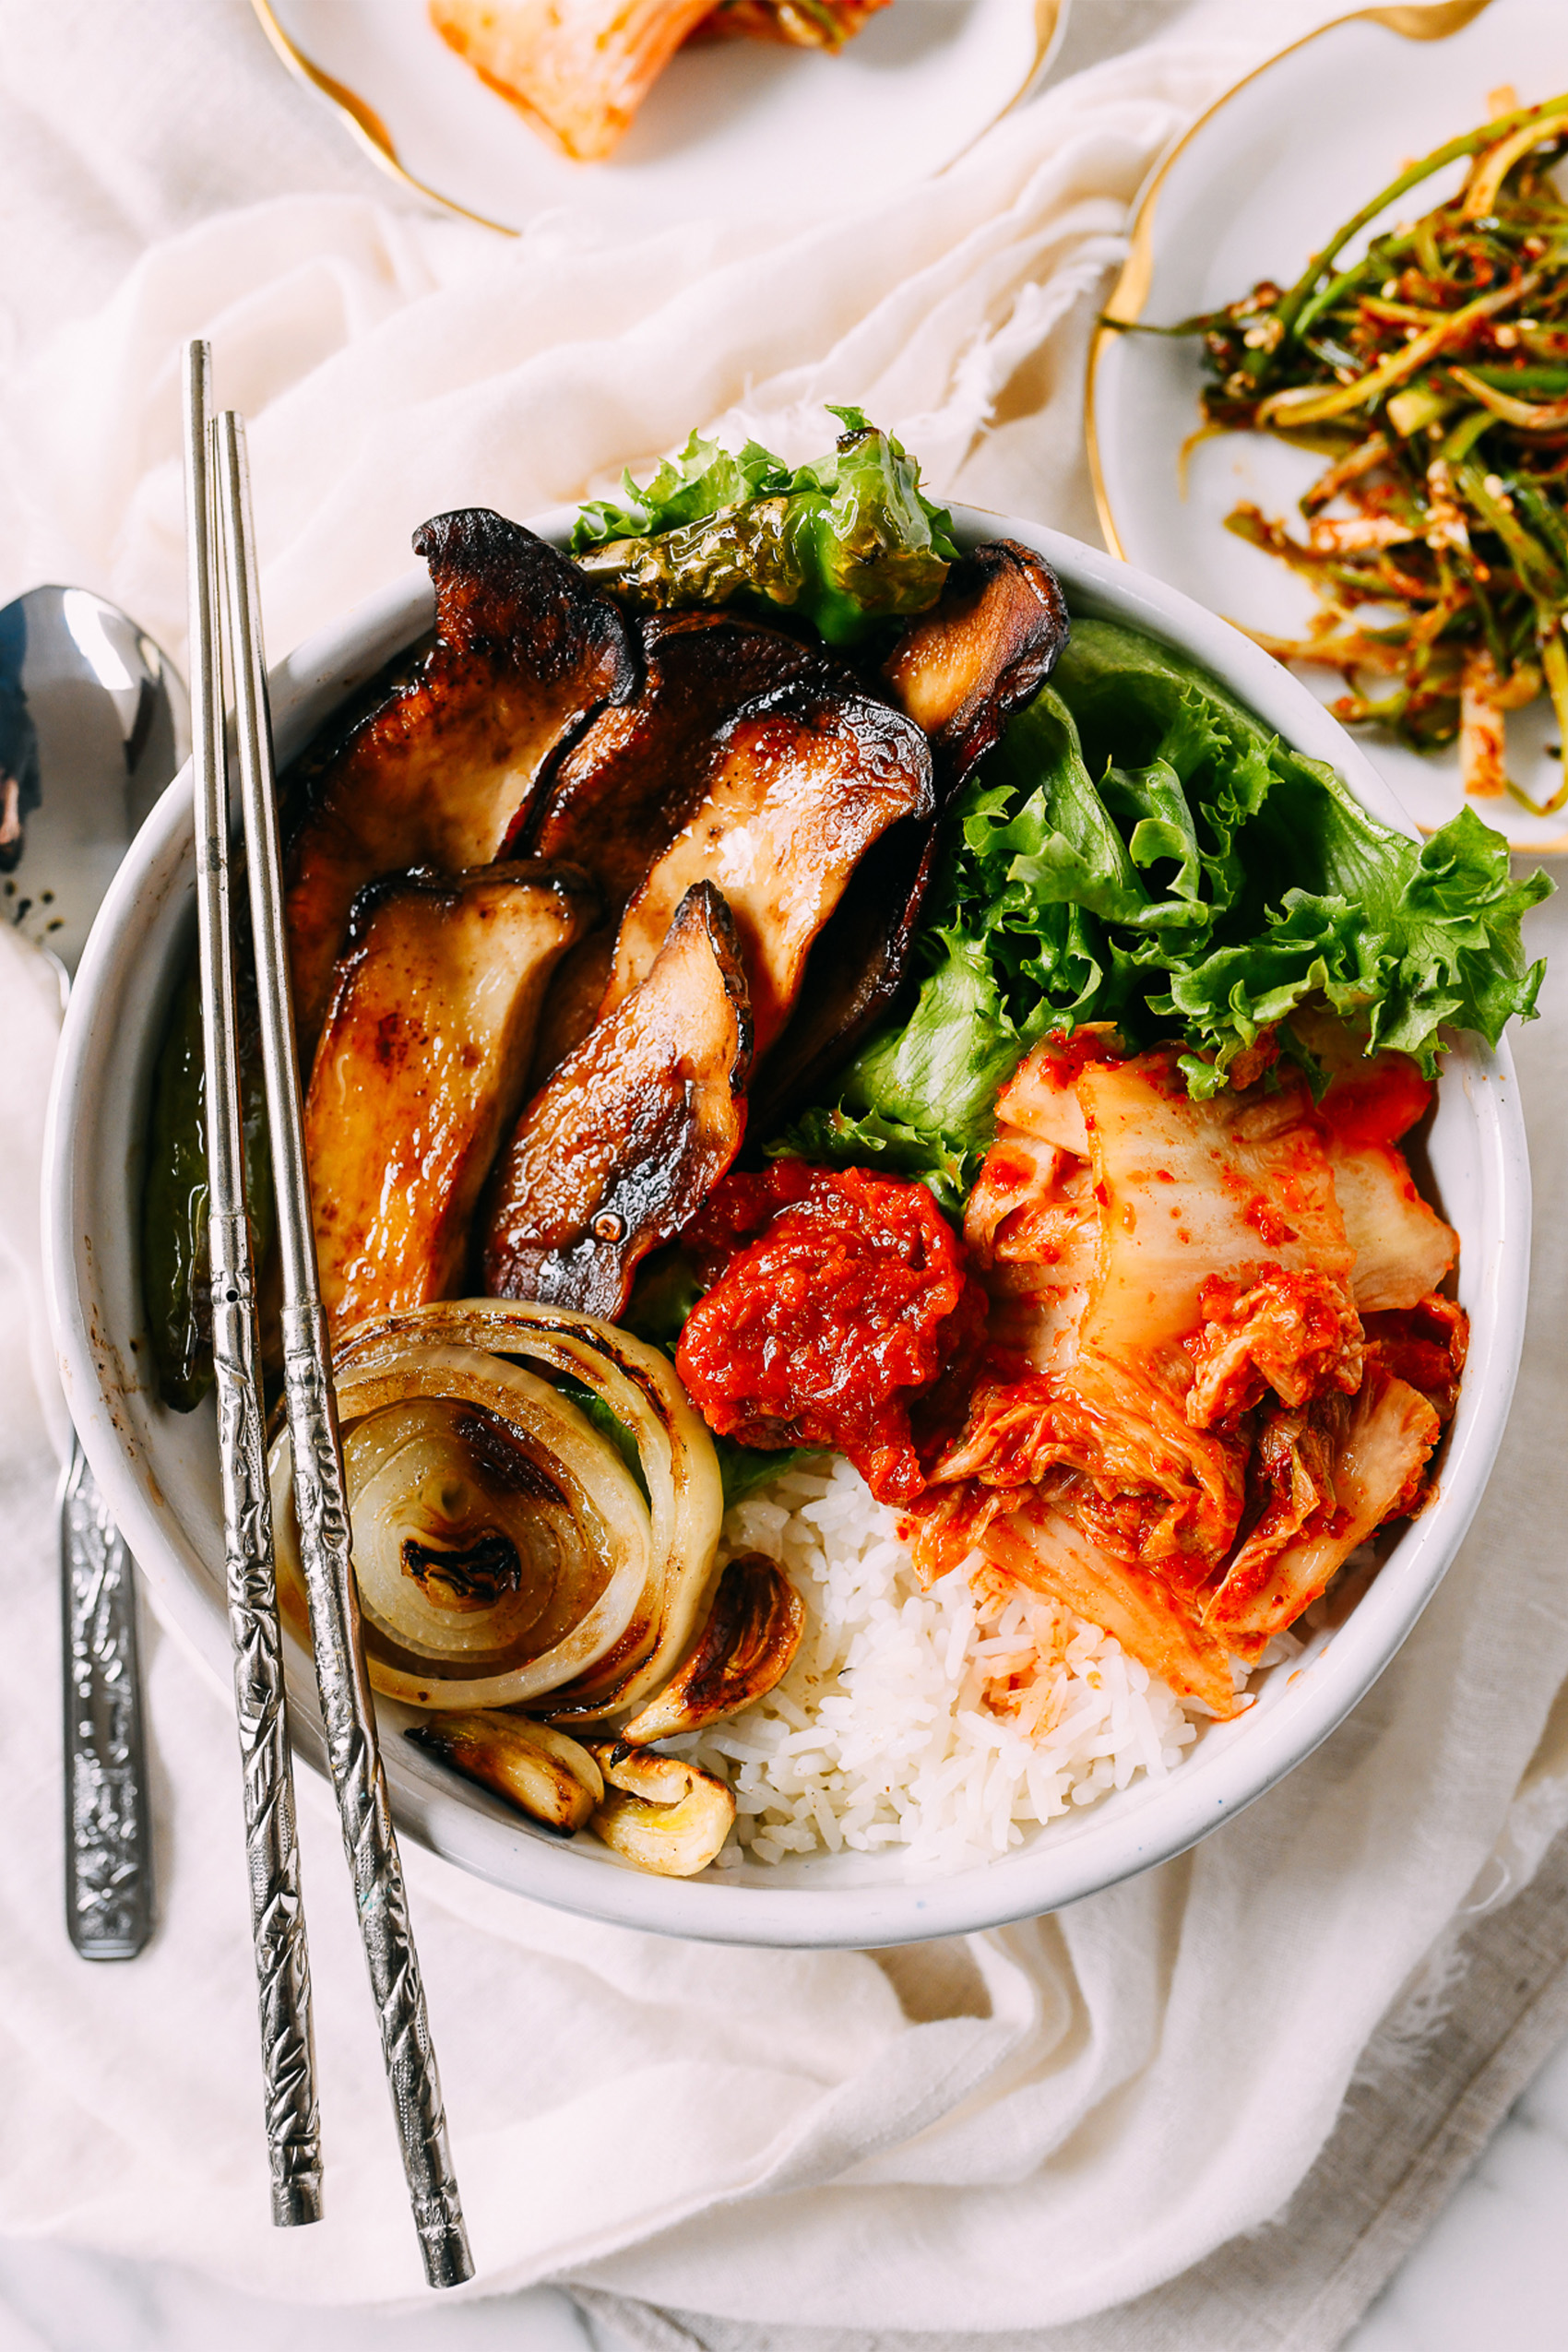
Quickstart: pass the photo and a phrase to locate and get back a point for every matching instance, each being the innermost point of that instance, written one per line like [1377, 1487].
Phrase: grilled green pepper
[846, 542]
[174, 1197]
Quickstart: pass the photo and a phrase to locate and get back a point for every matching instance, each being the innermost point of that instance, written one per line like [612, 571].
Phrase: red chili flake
[1072, 1053]
[1268, 1223]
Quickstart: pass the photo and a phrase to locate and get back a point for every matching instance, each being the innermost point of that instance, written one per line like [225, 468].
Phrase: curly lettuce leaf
[918, 1099]
[706, 479]
[847, 541]
[1141, 850]
[1404, 946]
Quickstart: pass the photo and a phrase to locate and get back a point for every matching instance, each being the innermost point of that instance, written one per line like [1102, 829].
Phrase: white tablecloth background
[1016, 2130]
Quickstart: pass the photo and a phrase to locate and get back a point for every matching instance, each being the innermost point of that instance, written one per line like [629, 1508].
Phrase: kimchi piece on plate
[579, 69]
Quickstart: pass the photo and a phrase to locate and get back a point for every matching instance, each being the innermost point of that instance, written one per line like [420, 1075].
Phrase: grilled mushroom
[527, 651]
[629, 783]
[660, 1811]
[854, 972]
[626, 1140]
[803, 784]
[551, 1778]
[420, 1069]
[962, 670]
[752, 1631]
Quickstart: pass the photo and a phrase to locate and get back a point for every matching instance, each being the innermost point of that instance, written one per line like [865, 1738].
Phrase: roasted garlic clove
[659, 1811]
[552, 1779]
[752, 1631]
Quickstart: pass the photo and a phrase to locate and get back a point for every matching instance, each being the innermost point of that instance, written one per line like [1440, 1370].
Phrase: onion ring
[650, 1564]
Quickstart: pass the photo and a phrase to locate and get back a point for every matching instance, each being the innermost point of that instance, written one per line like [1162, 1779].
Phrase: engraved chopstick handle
[272, 1855]
[369, 1838]
[108, 1833]
[278, 1923]
[321, 1505]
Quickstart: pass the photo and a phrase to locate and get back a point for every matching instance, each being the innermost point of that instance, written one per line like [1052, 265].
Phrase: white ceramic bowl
[158, 1469]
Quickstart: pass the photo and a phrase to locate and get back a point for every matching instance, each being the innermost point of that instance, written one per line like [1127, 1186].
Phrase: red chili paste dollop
[843, 1311]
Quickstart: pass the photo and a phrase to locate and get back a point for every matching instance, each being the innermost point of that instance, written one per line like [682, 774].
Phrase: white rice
[949, 1719]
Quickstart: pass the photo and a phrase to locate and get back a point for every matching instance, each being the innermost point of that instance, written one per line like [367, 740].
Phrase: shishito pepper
[846, 542]
[174, 1197]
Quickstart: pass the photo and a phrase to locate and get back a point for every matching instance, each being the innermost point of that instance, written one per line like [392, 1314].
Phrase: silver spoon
[94, 723]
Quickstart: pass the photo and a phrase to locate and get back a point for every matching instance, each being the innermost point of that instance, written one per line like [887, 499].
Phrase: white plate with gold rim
[1259, 182]
[737, 127]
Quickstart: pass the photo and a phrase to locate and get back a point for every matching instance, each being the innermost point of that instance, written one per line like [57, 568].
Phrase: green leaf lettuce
[1140, 850]
[847, 541]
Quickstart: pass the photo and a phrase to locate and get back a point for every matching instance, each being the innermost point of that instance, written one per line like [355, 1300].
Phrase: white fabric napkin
[1016, 2130]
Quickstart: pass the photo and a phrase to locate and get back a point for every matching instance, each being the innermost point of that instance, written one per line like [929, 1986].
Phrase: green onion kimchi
[1432, 375]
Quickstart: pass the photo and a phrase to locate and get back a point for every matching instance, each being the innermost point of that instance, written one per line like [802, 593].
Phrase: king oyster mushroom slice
[752, 1631]
[551, 1778]
[618, 796]
[804, 781]
[626, 1140]
[632, 778]
[960, 671]
[660, 1811]
[989, 647]
[527, 651]
[854, 972]
[420, 1071]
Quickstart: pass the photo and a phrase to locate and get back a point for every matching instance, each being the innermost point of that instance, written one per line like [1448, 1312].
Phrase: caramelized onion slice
[659, 1811]
[639, 1387]
[501, 1545]
[552, 1779]
[752, 1631]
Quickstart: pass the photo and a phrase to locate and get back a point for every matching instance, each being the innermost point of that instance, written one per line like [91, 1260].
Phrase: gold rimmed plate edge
[1436, 21]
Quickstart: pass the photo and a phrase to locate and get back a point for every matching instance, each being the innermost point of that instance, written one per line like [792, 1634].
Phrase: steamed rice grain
[946, 1719]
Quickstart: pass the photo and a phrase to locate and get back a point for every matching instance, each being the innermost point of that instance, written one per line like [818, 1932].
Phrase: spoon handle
[108, 1830]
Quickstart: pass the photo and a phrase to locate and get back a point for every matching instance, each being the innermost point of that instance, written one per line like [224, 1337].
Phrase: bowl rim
[1068, 1858]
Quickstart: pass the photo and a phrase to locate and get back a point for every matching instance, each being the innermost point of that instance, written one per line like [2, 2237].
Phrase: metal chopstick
[346, 1703]
[277, 1924]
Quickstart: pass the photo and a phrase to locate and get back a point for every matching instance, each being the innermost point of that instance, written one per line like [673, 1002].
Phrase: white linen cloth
[1018, 2130]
